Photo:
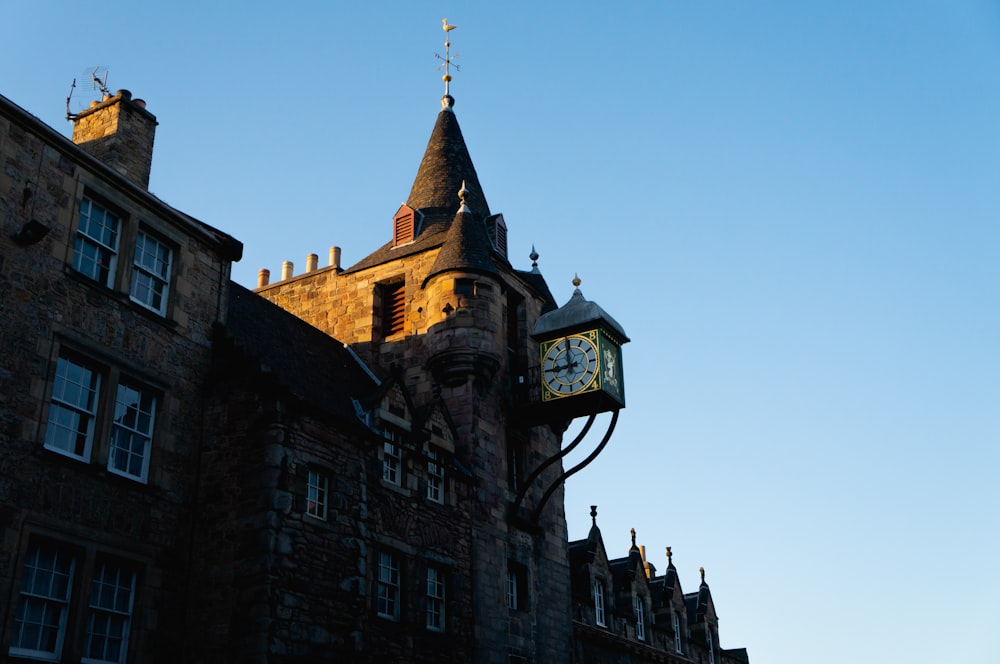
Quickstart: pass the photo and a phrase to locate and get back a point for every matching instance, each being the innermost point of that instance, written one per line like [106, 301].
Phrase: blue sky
[791, 207]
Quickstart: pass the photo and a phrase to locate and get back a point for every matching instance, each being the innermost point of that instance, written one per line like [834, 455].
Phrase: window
[711, 647]
[43, 603]
[393, 308]
[110, 612]
[435, 477]
[391, 458]
[95, 249]
[132, 434]
[150, 273]
[511, 595]
[471, 287]
[678, 647]
[640, 619]
[388, 586]
[42, 616]
[316, 487]
[516, 589]
[435, 600]
[73, 408]
[74, 414]
[599, 603]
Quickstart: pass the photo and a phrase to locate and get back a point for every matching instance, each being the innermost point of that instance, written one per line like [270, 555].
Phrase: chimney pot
[311, 261]
[263, 277]
[287, 270]
[335, 257]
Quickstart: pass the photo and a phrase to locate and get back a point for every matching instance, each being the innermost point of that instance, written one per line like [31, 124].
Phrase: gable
[394, 408]
[439, 429]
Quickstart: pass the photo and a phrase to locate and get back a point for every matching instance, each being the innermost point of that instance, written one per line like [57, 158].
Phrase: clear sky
[792, 208]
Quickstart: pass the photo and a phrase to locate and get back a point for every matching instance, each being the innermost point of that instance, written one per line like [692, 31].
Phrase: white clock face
[569, 366]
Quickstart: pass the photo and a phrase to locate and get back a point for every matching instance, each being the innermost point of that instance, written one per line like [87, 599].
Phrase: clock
[570, 365]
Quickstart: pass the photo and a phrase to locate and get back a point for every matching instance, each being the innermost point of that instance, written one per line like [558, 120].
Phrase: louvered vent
[497, 228]
[404, 226]
[393, 308]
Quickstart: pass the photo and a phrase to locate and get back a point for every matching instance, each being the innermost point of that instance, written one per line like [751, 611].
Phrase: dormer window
[599, 616]
[404, 226]
[640, 619]
[678, 644]
[497, 229]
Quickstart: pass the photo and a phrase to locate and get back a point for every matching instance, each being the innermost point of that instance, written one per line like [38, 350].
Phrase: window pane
[110, 612]
[316, 500]
[96, 245]
[70, 427]
[40, 615]
[133, 431]
[150, 272]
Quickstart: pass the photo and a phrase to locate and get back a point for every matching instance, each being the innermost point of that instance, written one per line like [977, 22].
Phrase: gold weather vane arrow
[447, 55]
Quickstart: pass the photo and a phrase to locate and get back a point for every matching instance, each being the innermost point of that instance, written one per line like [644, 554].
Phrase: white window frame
[510, 592]
[600, 617]
[132, 430]
[435, 477]
[317, 490]
[95, 247]
[678, 641]
[114, 610]
[711, 645]
[39, 588]
[73, 406]
[435, 599]
[640, 618]
[387, 596]
[152, 262]
[392, 458]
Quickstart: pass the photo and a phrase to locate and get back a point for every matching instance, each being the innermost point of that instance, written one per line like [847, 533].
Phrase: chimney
[119, 131]
[263, 277]
[311, 261]
[287, 270]
[335, 257]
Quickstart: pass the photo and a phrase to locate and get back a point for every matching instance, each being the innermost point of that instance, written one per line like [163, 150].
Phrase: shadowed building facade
[336, 466]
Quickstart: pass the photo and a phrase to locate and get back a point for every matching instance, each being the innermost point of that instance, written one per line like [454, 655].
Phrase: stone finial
[632, 531]
[576, 280]
[702, 570]
[462, 193]
[534, 259]
[593, 514]
[670, 557]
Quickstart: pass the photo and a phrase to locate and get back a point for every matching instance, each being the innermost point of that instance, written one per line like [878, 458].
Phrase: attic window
[497, 229]
[404, 226]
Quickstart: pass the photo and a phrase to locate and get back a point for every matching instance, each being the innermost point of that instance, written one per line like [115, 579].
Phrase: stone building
[108, 303]
[336, 466]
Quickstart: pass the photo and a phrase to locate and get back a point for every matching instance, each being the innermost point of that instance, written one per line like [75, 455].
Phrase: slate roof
[467, 248]
[446, 164]
[304, 361]
[578, 313]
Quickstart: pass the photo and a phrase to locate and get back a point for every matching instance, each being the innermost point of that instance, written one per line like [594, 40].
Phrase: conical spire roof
[445, 166]
[467, 247]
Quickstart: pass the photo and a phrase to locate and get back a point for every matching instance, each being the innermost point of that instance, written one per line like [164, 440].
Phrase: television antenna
[96, 81]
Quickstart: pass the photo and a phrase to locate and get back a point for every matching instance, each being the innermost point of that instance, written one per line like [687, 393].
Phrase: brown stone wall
[45, 307]
[448, 336]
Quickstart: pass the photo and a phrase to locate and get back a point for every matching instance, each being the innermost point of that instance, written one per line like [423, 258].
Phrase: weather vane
[447, 56]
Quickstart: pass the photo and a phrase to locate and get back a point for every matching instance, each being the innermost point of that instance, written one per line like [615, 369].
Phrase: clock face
[569, 366]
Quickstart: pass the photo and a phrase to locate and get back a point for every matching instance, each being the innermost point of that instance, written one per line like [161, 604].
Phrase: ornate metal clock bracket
[516, 506]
